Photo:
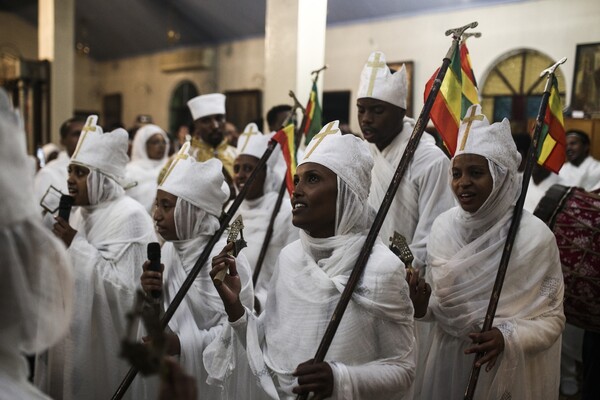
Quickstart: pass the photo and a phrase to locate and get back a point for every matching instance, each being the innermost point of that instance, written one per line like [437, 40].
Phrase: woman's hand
[315, 378]
[491, 343]
[419, 292]
[230, 287]
[63, 231]
[151, 280]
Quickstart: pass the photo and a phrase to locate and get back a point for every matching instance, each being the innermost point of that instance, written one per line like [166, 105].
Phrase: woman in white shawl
[522, 351]
[372, 354]
[36, 285]
[149, 153]
[257, 207]
[188, 202]
[106, 239]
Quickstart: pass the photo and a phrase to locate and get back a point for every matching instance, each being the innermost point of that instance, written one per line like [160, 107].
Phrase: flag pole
[224, 221]
[365, 252]
[514, 226]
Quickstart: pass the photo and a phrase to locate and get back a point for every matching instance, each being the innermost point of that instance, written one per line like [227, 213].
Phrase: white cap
[199, 183]
[494, 142]
[105, 152]
[346, 155]
[252, 142]
[378, 82]
[207, 104]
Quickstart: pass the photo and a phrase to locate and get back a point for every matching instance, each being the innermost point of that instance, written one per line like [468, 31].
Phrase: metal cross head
[458, 32]
[235, 229]
[247, 135]
[296, 102]
[320, 136]
[399, 247]
[317, 71]
[181, 155]
[375, 65]
[467, 35]
[469, 119]
[551, 69]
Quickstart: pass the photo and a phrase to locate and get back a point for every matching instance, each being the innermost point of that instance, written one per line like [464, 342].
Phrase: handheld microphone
[154, 257]
[64, 206]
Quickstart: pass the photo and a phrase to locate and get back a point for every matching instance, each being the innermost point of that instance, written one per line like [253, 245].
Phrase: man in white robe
[258, 206]
[582, 170]
[423, 193]
[464, 251]
[37, 283]
[149, 152]
[541, 180]
[372, 354]
[106, 238]
[55, 172]
[196, 192]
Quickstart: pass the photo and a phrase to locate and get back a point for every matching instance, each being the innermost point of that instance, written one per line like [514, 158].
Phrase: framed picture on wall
[409, 65]
[586, 79]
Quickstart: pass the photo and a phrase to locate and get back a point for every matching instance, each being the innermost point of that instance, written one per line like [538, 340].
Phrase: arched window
[513, 88]
[179, 113]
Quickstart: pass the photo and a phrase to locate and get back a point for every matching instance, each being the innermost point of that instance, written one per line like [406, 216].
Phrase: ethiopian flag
[311, 124]
[457, 93]
[285, 138]
[551, 149]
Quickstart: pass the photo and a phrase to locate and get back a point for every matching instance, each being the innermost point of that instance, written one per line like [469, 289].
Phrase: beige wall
[553, 27]
[18, 34]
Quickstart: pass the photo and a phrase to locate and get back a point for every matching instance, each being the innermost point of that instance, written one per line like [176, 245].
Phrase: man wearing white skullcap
[37, 284]
[372, 354]
[423, 193]
[208, 138]
[106, 239]
[522, 350]
[149, 152]
[257, 207]
[189, 201]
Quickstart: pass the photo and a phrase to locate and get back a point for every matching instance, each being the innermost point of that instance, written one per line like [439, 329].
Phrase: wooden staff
[365, 252]
[514, 226]
[189, 280]
[281, 194]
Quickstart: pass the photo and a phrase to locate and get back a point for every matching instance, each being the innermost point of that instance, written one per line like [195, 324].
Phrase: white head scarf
[350, 159]
[378, 82]
[36, 286]
[495, 143]
[201, 191]
[253, 143]
[138, 148]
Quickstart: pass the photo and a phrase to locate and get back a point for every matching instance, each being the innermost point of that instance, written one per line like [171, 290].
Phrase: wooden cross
[320, 136]
[90, 126]
[469, 120]
[182, 155]
[247, 134]
[375, 65]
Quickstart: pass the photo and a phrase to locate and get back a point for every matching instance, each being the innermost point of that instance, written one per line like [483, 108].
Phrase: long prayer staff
[514, 226]
[365, 252]
[224, 221]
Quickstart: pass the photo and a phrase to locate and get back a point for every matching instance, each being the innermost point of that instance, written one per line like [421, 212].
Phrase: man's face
[577, 151]
[72, 137]
[380, 121]
[210, 129]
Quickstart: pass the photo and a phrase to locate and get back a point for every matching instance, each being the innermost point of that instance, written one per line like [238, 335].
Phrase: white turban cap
[346, 155]
[378, 82]
[494, 142]
[105, 152]
[207, 104]
[199, 183]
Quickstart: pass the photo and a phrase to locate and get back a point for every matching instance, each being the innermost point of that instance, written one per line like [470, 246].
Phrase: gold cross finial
[469, 120]
[181, 155]
[247, 134]
[375, 65]
[90, 126]
[320, 136]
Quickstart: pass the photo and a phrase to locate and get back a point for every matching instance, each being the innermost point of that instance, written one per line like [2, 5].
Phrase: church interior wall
[553, 27]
